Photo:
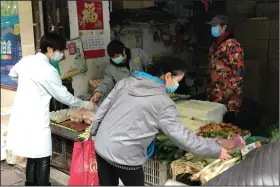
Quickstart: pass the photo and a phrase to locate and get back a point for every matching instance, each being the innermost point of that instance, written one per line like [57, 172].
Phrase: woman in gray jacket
[132, 114]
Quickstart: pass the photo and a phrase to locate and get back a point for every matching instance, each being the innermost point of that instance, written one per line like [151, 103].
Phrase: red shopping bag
[83, 171]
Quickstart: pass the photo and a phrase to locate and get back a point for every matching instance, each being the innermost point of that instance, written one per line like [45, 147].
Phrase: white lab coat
[29, 133]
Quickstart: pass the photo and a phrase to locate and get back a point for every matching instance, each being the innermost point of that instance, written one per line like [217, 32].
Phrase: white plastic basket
[155, 173]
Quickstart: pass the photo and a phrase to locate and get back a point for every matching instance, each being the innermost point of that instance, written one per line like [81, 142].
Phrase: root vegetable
[206, 176]
[197, 175]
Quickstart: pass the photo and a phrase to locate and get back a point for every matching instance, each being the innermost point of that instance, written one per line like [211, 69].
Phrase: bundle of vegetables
[224, 130]
[165, 150]
[203, 169]
[275, 135]
[274, 132]
[189, 164]
[215, 168]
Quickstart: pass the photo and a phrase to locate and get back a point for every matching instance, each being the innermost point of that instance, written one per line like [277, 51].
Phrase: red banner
[90, 15]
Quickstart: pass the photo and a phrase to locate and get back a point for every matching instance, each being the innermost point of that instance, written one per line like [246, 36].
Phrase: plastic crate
[155, 173]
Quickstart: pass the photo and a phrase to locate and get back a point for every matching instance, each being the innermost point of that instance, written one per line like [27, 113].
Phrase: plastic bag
[237, 143]
[83, 171]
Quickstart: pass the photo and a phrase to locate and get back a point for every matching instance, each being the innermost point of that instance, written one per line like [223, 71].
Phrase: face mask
[215, 31]
[57, 57]
[172, 89]
[118, 60]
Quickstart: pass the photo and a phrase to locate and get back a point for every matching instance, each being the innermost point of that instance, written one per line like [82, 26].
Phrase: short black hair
[52, 40]
[166, 64]
[115, 47]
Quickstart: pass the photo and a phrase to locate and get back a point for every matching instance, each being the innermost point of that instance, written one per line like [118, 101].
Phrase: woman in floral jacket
[226, 68]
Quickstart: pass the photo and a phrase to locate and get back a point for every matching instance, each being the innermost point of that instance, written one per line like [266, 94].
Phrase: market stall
[68, 126]
[168, 161]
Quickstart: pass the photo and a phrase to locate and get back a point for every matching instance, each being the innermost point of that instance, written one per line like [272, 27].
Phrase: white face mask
[118, 60]
[56, 57]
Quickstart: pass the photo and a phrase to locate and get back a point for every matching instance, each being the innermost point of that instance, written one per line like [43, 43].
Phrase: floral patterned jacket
[226, 70]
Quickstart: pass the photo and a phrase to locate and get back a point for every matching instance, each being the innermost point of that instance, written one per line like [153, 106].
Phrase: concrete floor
[15, 176]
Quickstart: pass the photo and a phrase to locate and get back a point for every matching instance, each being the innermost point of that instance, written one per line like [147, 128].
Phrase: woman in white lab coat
[29, 133]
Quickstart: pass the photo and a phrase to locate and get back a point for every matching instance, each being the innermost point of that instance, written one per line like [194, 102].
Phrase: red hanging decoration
[206, 4]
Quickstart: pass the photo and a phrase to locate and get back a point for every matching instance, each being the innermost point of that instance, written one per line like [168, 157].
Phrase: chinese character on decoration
[9, 47]
[90, 15]
[3, 47]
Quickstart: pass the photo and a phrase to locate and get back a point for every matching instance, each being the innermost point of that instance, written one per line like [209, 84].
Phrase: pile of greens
[222, 134]
[165, 150]
[274, 132]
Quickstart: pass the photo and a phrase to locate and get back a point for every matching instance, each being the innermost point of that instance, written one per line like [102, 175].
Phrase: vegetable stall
[69, 125]
[168, 161]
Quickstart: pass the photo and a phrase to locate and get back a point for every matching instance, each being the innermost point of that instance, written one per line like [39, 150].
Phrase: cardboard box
[254, 70]
[137, 4]
[270, 10]
[273, 65]
[249, 43]
[273, 49]
[252, 88]
[253, 29]
[274, 29]
[246, 7]
[270, 92]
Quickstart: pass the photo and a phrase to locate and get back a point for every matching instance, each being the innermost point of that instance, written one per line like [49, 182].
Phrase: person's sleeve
[106, 85]
[53, 85]
[15, 70]
[235, 56]
[104, 107]
[145, 60]
[170, 124]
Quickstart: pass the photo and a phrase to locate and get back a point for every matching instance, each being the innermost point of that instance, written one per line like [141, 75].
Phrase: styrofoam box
[203, 110]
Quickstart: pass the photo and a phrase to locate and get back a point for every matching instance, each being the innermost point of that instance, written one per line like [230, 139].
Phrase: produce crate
[155, 173]
[62, 149]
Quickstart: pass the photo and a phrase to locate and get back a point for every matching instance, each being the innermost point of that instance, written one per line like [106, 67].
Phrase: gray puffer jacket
[130, 117]
[113, 74]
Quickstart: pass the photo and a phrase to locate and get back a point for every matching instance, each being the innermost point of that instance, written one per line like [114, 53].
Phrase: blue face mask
[215, 31]
[57, 57]
[118, 60]
[172, 89]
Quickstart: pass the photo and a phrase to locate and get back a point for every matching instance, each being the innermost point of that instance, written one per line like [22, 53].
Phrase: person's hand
[96, 96]
[224, 154]
[89, 105]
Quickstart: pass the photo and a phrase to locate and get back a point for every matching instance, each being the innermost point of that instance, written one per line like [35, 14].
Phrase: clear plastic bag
[85, 115]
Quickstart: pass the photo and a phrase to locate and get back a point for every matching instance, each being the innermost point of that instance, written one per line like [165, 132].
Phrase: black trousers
[109, 175]
[38, 171]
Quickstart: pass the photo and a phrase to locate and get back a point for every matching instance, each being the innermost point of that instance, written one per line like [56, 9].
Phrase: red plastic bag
[83, 170]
